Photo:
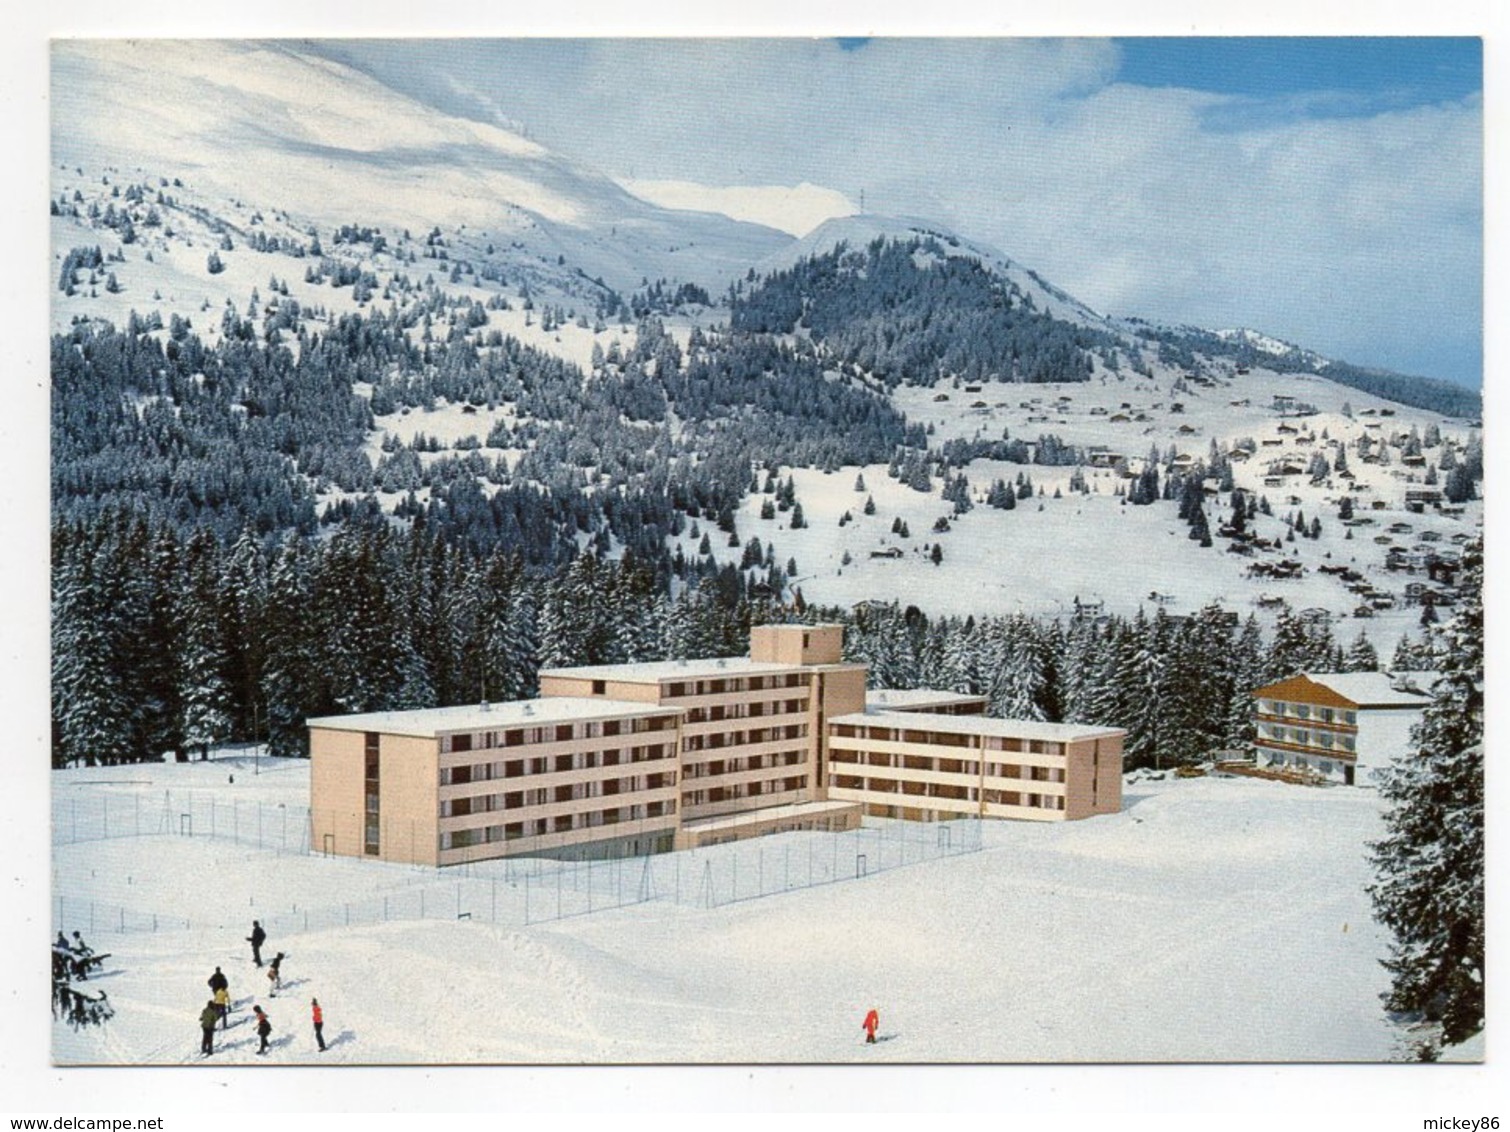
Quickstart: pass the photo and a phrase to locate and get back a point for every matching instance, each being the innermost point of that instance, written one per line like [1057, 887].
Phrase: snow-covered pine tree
[286, 651]
[204, 690]
[1430, 891]
[89, 704]
[1361, 655]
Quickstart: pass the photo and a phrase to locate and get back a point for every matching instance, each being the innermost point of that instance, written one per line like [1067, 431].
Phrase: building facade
[1340, 726]
[924, 766]
[637, 758]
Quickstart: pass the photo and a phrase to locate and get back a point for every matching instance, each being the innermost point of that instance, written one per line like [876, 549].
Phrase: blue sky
[1390, 68]
[1325, 191]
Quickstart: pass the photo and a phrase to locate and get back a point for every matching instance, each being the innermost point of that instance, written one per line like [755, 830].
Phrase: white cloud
[1350, 234]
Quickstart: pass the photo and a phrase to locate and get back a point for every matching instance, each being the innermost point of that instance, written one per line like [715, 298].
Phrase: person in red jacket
[319, 1019]
[871, 1023]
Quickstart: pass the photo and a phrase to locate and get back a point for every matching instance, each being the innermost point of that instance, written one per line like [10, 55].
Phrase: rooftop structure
[925, 699]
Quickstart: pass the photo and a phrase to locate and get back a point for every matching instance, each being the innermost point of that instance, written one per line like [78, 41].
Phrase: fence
[513, 891]
[100, 817]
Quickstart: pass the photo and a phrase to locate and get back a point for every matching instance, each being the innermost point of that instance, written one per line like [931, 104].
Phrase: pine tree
[1430, 891]
[1361, 655]
[204, 690]
[285, 671]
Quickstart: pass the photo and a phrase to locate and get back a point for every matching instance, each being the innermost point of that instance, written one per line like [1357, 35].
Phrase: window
[461, 742]
[599, 687]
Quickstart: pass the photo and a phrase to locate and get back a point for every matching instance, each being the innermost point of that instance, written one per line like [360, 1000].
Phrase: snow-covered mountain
[262, 192]
[859, 231]
[273, 125]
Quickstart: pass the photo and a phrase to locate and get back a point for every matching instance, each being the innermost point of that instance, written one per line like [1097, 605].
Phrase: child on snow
[264, 1028]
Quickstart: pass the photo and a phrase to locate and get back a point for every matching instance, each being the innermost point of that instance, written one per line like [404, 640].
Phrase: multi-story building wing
[753, 728]
[925, 766]
[449, 785]
[1336, 724]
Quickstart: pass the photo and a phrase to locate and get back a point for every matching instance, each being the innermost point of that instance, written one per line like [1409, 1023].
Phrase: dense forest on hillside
[165, 642]
[907, 311]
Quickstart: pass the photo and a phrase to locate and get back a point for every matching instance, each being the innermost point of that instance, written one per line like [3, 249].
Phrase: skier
[871, 1023]
[264, 1028]
[207, 1019]
[318, 1017]
[256, 939]
[223, 1005]
[218, 981]
[274, 978]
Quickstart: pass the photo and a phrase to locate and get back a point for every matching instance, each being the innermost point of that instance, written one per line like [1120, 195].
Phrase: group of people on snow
[72, 958]
[217, 1010]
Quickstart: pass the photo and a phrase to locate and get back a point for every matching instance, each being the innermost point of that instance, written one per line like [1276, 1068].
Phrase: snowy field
[1212, 920]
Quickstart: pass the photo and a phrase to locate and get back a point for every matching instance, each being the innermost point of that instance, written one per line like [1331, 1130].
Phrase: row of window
[947, 766]
[947, 739]
[716, 768]
[545, 795]
[721, 739]
[547, 764]
[722, 685]
[716, 794]
[1304, 737]
[555, 733]
[1307, 711]
[945, 792]
[715, 713]
[562, 823]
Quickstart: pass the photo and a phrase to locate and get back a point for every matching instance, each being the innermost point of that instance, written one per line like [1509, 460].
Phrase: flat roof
[978, 725]
[880, 699]
[655, 671]
[427, 723]
[768, 813]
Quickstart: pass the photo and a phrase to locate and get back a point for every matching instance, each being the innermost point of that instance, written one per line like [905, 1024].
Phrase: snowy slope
[280, 127]
[1042, 556]
[1196, 925]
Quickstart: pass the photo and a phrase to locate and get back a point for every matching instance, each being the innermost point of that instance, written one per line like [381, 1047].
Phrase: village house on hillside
[1336, 724]
[628, 759]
